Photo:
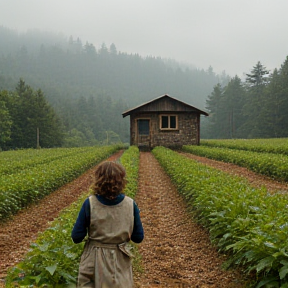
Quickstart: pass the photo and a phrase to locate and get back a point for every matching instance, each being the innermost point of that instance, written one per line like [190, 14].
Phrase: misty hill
[76, 69]
[72, 73]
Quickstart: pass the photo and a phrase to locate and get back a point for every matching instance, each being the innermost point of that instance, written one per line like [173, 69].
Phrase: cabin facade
[164, 121]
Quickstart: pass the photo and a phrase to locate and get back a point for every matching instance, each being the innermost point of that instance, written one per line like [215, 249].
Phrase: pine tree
[32, 116]
[270, 113]
[256, 83]
[213, 106]
[283, 99]
[5, 124]
[233, 101]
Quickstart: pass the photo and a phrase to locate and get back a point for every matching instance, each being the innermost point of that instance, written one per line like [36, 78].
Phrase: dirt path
[176, 251]
[19, 232]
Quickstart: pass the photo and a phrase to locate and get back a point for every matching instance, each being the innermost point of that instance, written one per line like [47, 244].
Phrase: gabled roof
[140, 107]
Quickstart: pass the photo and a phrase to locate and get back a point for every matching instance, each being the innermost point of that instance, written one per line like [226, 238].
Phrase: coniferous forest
[57, 91]
[254, 108]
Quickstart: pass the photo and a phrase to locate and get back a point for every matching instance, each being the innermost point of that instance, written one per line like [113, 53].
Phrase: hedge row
[248, 224]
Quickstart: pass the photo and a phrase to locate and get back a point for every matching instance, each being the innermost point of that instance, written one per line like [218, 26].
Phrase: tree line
[254, 108]
[27, 120]
[89, 88]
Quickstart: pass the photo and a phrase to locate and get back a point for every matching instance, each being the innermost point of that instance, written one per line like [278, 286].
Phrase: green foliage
[96, 119]
[225, 106]
[29, 120]
[13, 161]
[75, 138]
[247, 223]
[130, 160]
[256, 108]
[22, 187]
[275, 145]
[53, 260]
[269, 164]
[5, 124]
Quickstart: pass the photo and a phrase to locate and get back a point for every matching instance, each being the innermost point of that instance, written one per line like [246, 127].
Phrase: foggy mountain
[65, 67]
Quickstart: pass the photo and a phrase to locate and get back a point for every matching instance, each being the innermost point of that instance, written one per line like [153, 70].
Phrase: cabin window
[168, 122]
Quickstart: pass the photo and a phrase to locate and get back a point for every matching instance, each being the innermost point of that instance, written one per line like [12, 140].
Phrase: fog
[230, 36]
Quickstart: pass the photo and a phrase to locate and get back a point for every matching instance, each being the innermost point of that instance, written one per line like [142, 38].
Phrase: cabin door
[143, 135]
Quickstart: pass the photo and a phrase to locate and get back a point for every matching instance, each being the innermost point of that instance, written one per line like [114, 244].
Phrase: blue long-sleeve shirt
[80, 228]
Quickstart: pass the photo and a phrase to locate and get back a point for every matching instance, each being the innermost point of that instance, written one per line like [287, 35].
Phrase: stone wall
[186, 134]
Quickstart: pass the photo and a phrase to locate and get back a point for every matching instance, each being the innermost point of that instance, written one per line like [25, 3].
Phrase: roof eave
[128, 112]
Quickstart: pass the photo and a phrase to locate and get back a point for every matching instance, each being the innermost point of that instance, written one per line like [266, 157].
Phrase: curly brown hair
[109, 179]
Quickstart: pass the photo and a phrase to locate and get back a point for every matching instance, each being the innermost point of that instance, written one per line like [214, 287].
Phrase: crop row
[275, 145]
[272, 165]
[20, 189]
[13, 161]
[246, 223]
[53, 260]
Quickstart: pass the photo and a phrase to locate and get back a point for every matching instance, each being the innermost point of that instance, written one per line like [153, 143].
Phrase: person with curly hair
[111, 220]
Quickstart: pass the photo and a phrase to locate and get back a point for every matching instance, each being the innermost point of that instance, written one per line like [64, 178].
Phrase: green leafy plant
[248, 224]
[19, 189]
[269, 164]
[53, 260]
[274, 145]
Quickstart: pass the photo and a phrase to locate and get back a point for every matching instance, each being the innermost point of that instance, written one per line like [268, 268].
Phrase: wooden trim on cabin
[169, 122]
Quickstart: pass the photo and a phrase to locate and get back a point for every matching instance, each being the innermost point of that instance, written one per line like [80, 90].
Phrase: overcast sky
[230, 35]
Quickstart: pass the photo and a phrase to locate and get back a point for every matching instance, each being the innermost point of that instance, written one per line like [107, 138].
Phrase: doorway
[143, 139]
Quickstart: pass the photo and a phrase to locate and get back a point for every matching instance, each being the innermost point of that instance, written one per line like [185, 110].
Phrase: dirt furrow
[176, 251]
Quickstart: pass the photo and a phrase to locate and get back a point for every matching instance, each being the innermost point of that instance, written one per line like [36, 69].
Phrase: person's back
[111, 224]
[112, 220]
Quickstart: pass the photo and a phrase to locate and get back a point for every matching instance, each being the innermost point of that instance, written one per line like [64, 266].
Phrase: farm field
[275, 145]
[180, 248]
[273, 165]
[17, 233]
[23, 181]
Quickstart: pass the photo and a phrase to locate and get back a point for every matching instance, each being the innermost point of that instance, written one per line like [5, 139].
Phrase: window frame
[169, 122]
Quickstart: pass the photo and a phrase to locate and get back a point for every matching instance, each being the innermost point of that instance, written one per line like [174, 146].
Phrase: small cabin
[164, 121]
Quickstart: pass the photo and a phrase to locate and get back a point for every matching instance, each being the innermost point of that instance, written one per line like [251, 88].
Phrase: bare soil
[176, 251]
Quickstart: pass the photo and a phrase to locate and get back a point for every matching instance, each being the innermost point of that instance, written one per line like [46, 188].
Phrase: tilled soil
[176, 251]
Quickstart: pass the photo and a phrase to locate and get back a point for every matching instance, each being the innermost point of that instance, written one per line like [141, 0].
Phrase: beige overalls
[105, 262]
